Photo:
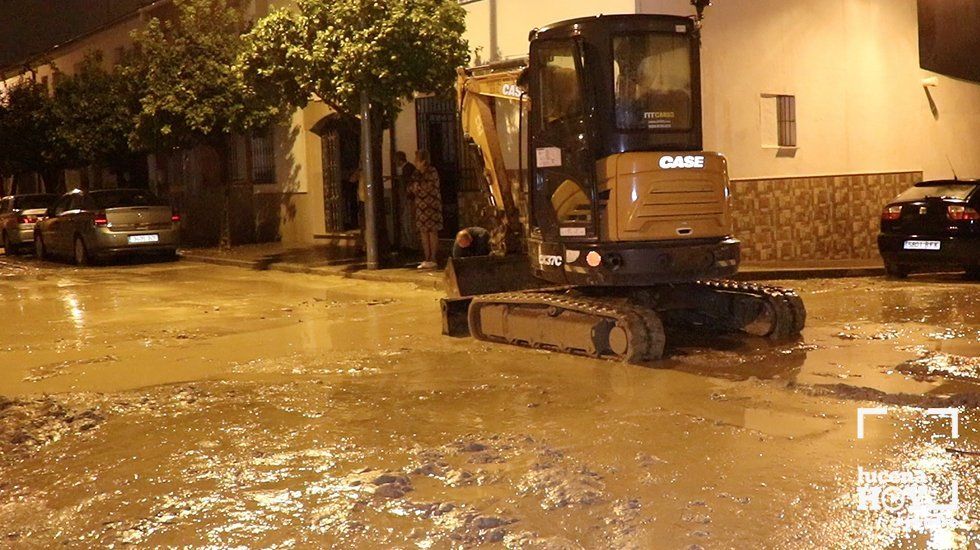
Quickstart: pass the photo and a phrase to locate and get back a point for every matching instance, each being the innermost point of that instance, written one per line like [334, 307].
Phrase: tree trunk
[377, 144]
[396, 184]
[221, 149]
[367, 174]
[372, 130]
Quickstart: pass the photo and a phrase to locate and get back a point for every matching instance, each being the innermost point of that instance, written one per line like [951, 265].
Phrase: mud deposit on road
[216, 474]
[27, 425]
[174, 405]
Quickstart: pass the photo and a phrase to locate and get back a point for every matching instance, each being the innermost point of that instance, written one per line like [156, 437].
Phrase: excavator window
[561, 92]
[653, 74]
[562, 203]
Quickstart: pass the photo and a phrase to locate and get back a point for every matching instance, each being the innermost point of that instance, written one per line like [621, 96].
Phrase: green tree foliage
[96, 110]
[194, 93]
[29, 138]
[338, 48]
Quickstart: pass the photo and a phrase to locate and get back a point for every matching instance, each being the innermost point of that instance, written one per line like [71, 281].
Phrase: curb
[809, 273]
[436, 283]
[429, 283]
[249, 264]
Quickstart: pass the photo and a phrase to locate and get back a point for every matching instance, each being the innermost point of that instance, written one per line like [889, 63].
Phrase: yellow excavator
[620, 221]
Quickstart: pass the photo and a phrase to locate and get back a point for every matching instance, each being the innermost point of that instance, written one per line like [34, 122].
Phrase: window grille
[786, 118]
[263, 158]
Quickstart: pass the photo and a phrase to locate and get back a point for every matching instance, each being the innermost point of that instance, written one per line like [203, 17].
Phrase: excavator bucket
[488, 275]
[469, 277]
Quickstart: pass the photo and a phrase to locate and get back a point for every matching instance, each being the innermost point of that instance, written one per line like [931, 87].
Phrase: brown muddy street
[194, 405]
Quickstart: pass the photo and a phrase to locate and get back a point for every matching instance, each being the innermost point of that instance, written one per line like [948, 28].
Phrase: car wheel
[973, 273]
[896, 271]
[81, 253]
[39, 249]
[7, 251]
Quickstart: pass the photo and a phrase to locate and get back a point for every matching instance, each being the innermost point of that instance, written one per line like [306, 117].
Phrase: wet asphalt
[181, 404]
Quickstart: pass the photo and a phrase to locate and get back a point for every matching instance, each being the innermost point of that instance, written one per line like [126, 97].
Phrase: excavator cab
[620, 191]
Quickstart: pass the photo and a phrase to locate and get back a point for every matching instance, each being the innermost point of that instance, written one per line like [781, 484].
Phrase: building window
[251, 160]
[778, 120]
[263, 158]
[236, 159]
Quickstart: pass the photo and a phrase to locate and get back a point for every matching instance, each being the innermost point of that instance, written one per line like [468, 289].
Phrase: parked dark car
[18, 214]
[935, 224]
[86, 226]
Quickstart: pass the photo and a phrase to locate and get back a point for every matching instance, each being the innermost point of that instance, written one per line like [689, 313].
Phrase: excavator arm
[477, 91]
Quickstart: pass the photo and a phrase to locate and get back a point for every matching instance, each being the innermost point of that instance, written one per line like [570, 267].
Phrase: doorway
[340, 139]
[437, 126]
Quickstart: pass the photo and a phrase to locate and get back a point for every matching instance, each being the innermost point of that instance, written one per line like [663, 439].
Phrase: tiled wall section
[817, 218]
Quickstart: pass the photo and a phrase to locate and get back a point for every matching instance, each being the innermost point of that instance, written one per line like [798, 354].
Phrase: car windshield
[34, 202]
[944, 189]
[122, 198]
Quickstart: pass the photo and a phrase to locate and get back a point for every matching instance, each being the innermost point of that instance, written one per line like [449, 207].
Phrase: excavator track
[561, 320]
[780, 313]
[628, 326]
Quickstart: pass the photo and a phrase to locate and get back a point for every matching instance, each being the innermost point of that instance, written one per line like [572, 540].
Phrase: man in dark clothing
[472, 241]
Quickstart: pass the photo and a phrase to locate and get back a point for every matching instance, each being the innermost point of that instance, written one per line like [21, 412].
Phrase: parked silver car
[85, 226]
[18, 214]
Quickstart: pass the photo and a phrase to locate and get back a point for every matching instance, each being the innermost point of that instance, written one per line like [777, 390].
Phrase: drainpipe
[494, 44]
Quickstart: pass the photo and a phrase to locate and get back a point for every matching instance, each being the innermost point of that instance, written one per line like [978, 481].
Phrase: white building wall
[853, 66]
[516, 18]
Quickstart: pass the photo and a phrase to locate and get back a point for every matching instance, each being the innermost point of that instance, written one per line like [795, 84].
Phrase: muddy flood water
[214, 407]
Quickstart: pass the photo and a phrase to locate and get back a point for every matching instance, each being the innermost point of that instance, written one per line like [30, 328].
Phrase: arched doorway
[340, 139]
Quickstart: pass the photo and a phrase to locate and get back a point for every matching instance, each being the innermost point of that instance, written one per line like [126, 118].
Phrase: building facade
[868, 120]
[821, 107]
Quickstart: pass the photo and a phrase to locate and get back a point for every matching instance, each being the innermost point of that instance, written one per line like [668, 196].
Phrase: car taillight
[27, 219]
[958, 213]
[891, 213]
[101, 220]
[175, 217]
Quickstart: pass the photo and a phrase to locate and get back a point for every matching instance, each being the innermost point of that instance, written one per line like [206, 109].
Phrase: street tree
[194, 94]
[96, 110]
[362, 58]
[29, 139]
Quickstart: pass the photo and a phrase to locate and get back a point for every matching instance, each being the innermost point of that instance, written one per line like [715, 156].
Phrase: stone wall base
[789, 219]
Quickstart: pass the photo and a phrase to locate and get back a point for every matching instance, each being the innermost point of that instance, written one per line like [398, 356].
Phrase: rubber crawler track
[787, 306]
[643, 328]
[641, 322]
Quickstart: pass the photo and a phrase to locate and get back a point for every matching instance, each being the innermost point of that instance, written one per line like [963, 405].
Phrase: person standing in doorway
[406, 171]
[425, 190]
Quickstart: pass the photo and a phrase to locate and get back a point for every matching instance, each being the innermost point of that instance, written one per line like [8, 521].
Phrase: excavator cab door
[562, 194]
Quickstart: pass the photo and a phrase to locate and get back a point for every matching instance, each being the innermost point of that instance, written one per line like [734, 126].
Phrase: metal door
[437, 125]
[333, 197]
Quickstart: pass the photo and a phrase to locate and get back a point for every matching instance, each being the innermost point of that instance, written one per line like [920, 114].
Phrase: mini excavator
[621, 222]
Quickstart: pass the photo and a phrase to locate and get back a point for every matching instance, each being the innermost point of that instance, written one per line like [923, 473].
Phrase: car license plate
[922, 245]
[142, 239]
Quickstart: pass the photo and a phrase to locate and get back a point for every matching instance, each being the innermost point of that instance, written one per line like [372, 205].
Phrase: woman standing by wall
[428, 207]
